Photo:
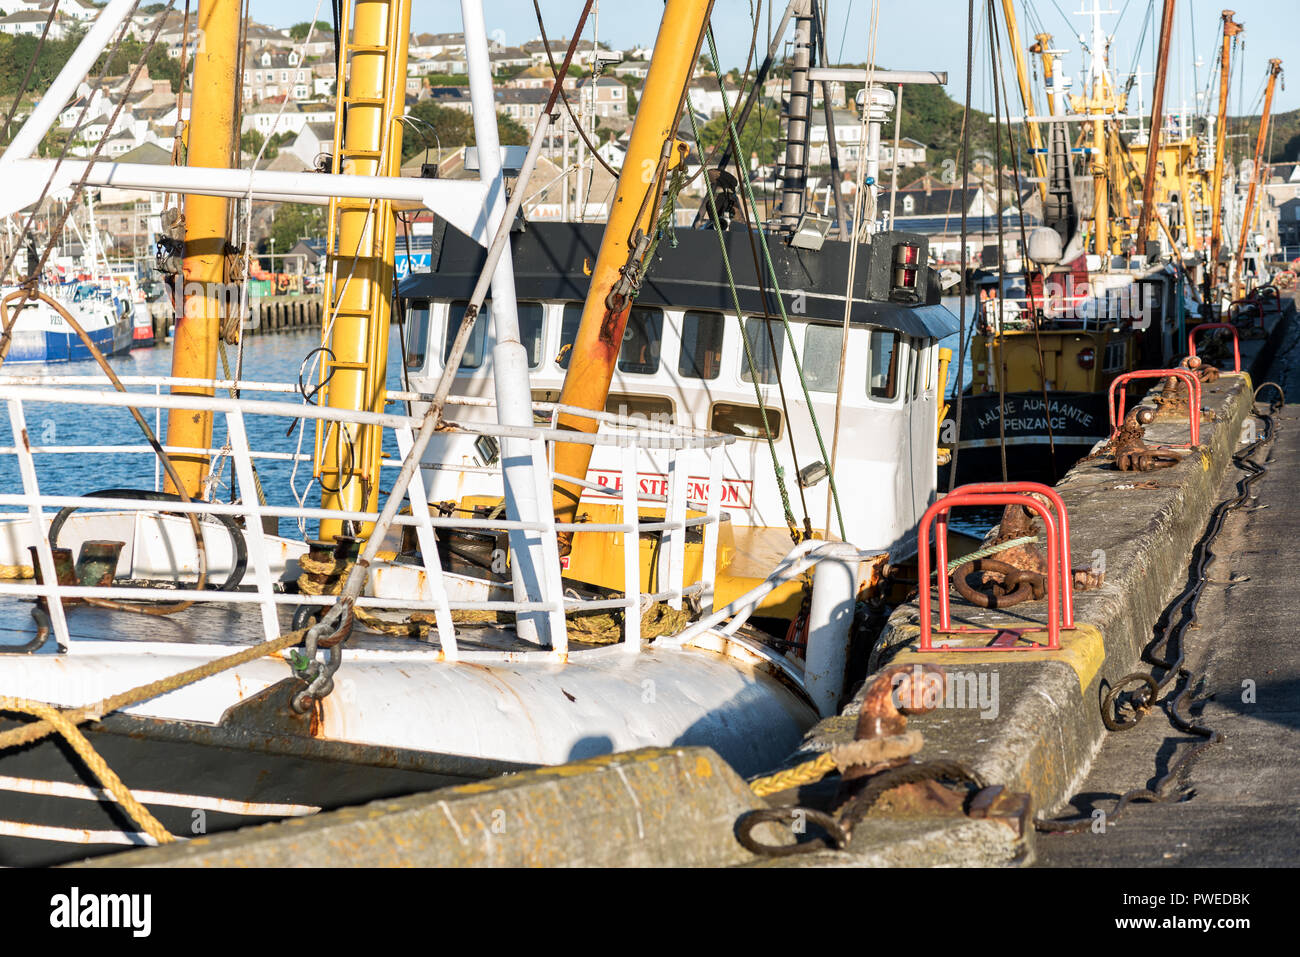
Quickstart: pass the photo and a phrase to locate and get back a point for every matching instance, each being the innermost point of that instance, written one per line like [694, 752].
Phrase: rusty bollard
[882, 740]
[64, 570]
[97, 563]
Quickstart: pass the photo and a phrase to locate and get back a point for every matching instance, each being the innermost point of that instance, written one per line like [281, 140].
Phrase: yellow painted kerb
[1082, 648]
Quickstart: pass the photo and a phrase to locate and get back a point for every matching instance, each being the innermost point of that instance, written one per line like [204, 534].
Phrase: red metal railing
[1060, 601]
[1236, 341]
[1116, 406]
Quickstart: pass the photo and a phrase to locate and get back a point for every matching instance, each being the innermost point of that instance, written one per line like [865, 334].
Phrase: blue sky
[906, 42]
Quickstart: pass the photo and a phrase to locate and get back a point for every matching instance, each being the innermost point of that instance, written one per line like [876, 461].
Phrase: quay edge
[1047, 728]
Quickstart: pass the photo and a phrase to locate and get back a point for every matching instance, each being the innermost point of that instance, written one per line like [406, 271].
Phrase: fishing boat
[570, 533]
[1107, 284]
[40, 334]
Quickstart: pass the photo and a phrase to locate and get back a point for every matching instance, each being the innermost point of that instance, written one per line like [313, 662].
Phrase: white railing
[632, 438]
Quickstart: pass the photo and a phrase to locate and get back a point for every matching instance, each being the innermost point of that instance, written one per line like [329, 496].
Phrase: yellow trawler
[1116, 275]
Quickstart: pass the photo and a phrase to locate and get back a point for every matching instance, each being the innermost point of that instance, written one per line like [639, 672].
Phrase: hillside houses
[32, 23]
[605, 97]
[289, 88]
[269, 73]
[269, 118]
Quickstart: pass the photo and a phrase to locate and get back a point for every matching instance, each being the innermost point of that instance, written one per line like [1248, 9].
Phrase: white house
[606, 97]
[910, 152]
[32, 23]
[268, 120]
[313, 140]
[706, 98]
[848, 138]
[81, 10]
[612, 154]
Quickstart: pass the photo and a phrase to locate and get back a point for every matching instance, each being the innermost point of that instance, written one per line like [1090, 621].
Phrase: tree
[632, 85]
[451, 129]
[761, 135]
[299, 30]
[292, 222]
[250, 142]
[129, 53]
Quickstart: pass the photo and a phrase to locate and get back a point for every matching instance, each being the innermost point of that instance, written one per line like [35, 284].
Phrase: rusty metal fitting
[891, 697]
[64, 570]
[97, 563]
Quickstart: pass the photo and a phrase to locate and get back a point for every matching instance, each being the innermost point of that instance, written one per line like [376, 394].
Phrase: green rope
[749, 354]
[988, 550]
[767, 258]
[664, 224]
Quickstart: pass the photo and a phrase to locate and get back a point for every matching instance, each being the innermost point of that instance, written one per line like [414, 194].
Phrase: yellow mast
[211, 144]
[1274, 71]
[1230, 29]
[1157, 127]
[1100, 101]
[1043, 47]
[605, 314]
[1026, 98]
[360, 246]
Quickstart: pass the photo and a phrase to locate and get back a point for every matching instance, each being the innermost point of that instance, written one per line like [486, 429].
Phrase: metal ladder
[359, 248]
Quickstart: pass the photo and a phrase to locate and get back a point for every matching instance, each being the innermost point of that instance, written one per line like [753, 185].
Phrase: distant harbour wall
[271, 314]
[268, 315]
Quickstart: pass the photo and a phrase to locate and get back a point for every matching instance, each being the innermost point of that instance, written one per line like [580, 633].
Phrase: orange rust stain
[317, 725]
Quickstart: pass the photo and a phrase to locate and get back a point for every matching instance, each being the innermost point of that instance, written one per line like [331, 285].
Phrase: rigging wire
[860, 195]
[1141, 44]
[965, 190]
[1002, 245]
[848, 12]
[1068, 25]
[559, 81]
[748, 347]
[785, 322]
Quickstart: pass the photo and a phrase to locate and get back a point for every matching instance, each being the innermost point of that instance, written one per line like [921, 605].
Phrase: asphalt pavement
[1238, 803]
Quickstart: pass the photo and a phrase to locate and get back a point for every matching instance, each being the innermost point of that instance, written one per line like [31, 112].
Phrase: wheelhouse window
[568, 332]
[767, 360]
[882, 371]
[417, 333]
[477, 345]
[642, 339]
[744, 420]
[532, 331]
[654, 408]
[701, 356]
[821, 358]
[913, 371]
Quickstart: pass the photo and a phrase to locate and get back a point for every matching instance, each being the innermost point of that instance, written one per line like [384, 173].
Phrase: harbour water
[274, 358]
